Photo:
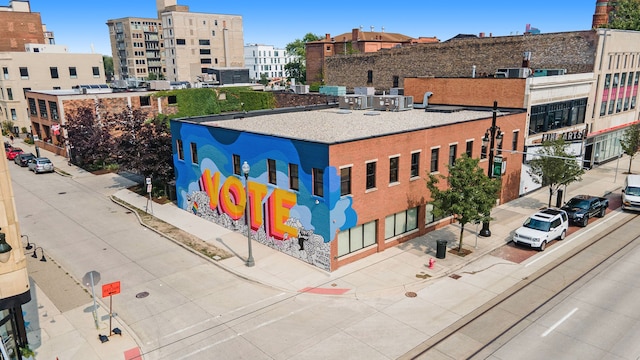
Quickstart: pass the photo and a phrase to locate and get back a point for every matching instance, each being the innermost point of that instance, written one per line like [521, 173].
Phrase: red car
[13, 152]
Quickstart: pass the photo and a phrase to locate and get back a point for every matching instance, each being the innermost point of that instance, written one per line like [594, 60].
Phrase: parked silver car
[40, 165]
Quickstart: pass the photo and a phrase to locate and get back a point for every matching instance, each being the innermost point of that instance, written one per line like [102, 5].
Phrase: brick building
[611, 56]
[331, 186]
[355, 42]
[557, 104]
[19, 26]
[49, 109]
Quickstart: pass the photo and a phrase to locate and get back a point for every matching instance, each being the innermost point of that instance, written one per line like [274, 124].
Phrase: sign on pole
[497, 166]
[111, 289]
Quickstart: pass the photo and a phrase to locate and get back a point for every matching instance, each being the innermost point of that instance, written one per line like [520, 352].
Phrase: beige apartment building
[195, 42]
[136, 46]
[22, 71]
[180, 45]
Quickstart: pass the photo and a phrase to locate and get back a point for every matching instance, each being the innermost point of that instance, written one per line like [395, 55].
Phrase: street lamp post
[245, 171]
[490, 136]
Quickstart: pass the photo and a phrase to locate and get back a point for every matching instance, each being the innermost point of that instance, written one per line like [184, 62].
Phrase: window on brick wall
[370, 76]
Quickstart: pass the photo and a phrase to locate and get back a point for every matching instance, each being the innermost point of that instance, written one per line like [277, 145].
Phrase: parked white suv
[542, 227]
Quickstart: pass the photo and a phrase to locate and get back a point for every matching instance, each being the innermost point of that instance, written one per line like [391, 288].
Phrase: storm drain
[142, 295]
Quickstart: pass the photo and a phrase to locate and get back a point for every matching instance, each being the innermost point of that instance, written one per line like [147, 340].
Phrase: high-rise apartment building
[136, 46]
[195, 42]
[188, 44]
[267, 60]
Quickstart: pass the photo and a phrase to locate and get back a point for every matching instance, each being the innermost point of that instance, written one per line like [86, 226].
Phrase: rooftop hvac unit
[549, 72]
[301, 89]
[513, 73]
[356, 102]
[396, 91]
[364, 90]
[393, 102]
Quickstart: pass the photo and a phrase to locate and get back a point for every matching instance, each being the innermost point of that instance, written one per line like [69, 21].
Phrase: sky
[81, 24]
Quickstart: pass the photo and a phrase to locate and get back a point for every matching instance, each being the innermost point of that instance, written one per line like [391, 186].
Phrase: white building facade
[267, 60]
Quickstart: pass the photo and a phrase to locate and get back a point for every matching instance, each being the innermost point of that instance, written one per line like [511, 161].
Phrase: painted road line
[564, 318]
[568, 241]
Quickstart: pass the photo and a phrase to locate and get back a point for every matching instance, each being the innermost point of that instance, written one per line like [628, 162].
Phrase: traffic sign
[497, 166]
[111, 289]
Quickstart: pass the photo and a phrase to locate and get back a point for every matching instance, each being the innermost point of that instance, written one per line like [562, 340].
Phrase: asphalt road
[525, 315]
[595, 318]
[195, 310]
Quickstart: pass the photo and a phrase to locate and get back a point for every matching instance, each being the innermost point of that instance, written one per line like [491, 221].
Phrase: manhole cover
[127, 212]
[62, 193]
[410, 294]
[142, 295]
[455, 276]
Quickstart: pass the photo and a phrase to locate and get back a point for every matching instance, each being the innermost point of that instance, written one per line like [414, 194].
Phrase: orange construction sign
[111, 289]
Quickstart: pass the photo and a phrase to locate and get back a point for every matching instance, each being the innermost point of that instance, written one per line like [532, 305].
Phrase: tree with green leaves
[469, 196]
[554, 167]
[297, 69]
[630, 142]
[625, 16]
[263, 79]
[107, 62]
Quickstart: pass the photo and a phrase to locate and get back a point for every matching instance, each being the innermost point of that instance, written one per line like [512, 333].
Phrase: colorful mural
[293, 221]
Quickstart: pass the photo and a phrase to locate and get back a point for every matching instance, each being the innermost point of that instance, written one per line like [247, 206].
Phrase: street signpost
[109, 290]
[149, 207]
[90, 279]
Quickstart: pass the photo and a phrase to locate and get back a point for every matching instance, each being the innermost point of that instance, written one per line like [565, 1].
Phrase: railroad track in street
[481, 332]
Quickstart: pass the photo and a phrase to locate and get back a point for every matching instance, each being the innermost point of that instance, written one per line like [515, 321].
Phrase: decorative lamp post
[5, 249]
[29, 245]
[245, 171]
[35, 254]
[490, 136]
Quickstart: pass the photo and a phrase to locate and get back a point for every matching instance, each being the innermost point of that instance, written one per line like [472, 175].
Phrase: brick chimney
[327, 36]
[354, 34]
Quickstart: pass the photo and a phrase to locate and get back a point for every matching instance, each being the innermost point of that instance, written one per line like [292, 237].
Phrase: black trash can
[441, 250]
[171, 190]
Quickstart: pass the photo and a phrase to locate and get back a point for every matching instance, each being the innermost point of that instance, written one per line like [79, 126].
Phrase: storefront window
[7, 336]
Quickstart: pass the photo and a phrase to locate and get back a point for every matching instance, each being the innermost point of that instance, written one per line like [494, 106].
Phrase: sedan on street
[13, 152]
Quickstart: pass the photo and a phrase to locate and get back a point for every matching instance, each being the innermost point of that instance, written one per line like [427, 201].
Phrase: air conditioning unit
[364, 90]
[549, 72]
[396, 91]
[513, 73]
[356, 102]
[392, 102]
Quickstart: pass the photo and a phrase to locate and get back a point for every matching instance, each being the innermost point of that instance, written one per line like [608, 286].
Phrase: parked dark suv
[23, 159]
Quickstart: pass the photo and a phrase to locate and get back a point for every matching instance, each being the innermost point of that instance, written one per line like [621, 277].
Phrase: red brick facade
[18, 29]
[412, 192]
[110, 103]
[468, 91]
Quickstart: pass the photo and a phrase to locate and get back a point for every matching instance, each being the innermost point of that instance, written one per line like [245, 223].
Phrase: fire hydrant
[432, 263]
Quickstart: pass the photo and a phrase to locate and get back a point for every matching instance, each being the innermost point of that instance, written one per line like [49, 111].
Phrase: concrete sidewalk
[400, 270]
[403, 266]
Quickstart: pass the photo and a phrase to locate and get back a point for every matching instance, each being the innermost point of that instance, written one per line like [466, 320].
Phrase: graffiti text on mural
[230, 198]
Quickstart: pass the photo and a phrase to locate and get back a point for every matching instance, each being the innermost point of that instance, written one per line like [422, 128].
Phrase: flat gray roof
[336, 125]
